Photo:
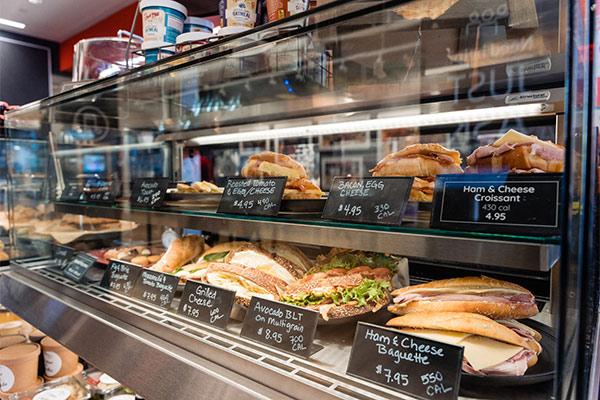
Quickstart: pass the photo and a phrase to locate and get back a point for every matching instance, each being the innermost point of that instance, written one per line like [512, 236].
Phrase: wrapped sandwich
[518, 153]
[424, 162]
[493, 348]
[269, 164]
[340, 293]
[491, 297]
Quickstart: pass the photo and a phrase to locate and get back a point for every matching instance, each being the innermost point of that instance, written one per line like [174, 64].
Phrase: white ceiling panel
[58, 20]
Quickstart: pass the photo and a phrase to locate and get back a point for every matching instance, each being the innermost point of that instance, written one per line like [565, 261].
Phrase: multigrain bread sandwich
[290, 252]
[515, 152]
[270, 164]
[253, 256]
[491, 297]
[490, 347]
[424, 162]
[245, 281]
[340, 293]
[181, 252]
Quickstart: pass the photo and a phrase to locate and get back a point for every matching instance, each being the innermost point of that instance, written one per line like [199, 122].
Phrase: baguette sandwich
[518, 153]
[181, 252]
[270, 164]
[424, 162]
[245, 281]
[340, 293]
[289, 252]
[493, 348]
[491, 297]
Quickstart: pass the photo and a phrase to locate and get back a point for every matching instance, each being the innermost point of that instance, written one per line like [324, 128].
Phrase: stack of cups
[163, 21]
[19, 368]
[58, 360]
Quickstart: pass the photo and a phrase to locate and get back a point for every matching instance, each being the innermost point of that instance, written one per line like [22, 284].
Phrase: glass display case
[420, 91]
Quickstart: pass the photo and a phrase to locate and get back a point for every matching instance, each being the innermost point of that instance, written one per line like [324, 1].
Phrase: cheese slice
[451, 290]
[439, 335]
[271, 169]
[515, 137]
[242, 287]
[262, 263]
[482, 352]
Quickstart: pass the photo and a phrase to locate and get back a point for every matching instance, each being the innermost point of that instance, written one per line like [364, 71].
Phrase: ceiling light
[36, 1]
[14, 24]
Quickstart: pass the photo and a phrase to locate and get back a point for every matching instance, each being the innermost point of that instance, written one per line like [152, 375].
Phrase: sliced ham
[491, 298]
[490, 150]
[547, 153]
[514, 366]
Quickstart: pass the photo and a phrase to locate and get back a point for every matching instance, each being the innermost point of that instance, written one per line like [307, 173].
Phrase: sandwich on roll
[181, 252]
[340, 293]
[270, 164]
[424, 162]
[517, 153]
[491, 297]
[490, 347]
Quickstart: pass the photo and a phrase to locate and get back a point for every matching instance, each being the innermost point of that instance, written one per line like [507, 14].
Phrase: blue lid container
[162, 20]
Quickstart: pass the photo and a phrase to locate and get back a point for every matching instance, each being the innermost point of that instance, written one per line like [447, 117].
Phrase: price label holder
[98, 191]
[120, 276]
[410, 364]
[249, 196]
[520, 204]
[72, 191]
[149, 192]
[206, 303]
[156, 287]
[284, 326]
[63, 255]
[78, 267]
[378, 200]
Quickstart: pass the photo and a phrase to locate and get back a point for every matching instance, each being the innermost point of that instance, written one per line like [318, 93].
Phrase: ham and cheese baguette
[515, 152]
[182, 251]
[490, 348]
[491, 297]
[424, 162]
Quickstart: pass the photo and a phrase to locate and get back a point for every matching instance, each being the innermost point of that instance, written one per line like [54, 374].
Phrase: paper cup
[19, 367]
[6, 341]
[58, 360]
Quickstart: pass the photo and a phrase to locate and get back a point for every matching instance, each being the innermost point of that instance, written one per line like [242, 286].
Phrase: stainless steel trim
[501, 253]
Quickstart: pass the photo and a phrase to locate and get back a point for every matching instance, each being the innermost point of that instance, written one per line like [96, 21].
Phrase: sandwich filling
[348, 260]
[491, 295]
[243, 287]
[262, 262]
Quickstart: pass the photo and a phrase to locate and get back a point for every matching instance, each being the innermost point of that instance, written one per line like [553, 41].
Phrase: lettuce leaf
[351, 260]
[215, 256]
[368, 291]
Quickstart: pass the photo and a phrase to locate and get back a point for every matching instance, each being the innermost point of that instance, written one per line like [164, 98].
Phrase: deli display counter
[358, 201]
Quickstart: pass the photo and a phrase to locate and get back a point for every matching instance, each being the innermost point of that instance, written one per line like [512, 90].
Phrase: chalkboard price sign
[498, 203]
[249, 196]
[72, 191]
[149, 192]
[63, 255]
[206, 303]
[286, 327]
[78, 267]
[376, 200]
[411, 364]
[120, 276]
[98, 191]
[156, 287]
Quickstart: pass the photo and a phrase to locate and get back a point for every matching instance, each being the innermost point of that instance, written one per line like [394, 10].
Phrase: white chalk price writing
[120, 276]
[156, 287]
[251, 196]
[206, 303]
[407, 363]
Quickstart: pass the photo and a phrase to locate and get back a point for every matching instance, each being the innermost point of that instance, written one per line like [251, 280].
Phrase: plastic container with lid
[195, 24]
[58, 360]
[68, 388]
[238, 13]
[154, 51]
[19, 367]
[162, 20]
[102, 385]
[190, 40]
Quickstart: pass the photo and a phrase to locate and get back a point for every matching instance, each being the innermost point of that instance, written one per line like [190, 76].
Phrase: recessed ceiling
[58, 20]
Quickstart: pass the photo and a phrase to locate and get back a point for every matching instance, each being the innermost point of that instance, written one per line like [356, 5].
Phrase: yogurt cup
[154, 51]
[162, 20]
[6, 341]
[58, 360]
[191, 40]
[195, 24]
[238, 13]
[19, 367]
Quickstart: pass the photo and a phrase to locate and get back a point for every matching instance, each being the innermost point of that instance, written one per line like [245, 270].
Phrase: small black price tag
[519, 204]
[72, 191]
[98, 191]
[411, 364]
[63, 255]
[149, 192]
[249, 196]
[78, 267]
[284, 326]
[206, 303]
[120, 276]
[156, 287]
[377, 200]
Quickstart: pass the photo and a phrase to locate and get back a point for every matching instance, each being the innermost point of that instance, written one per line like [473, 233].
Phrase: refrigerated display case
[336, 88]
